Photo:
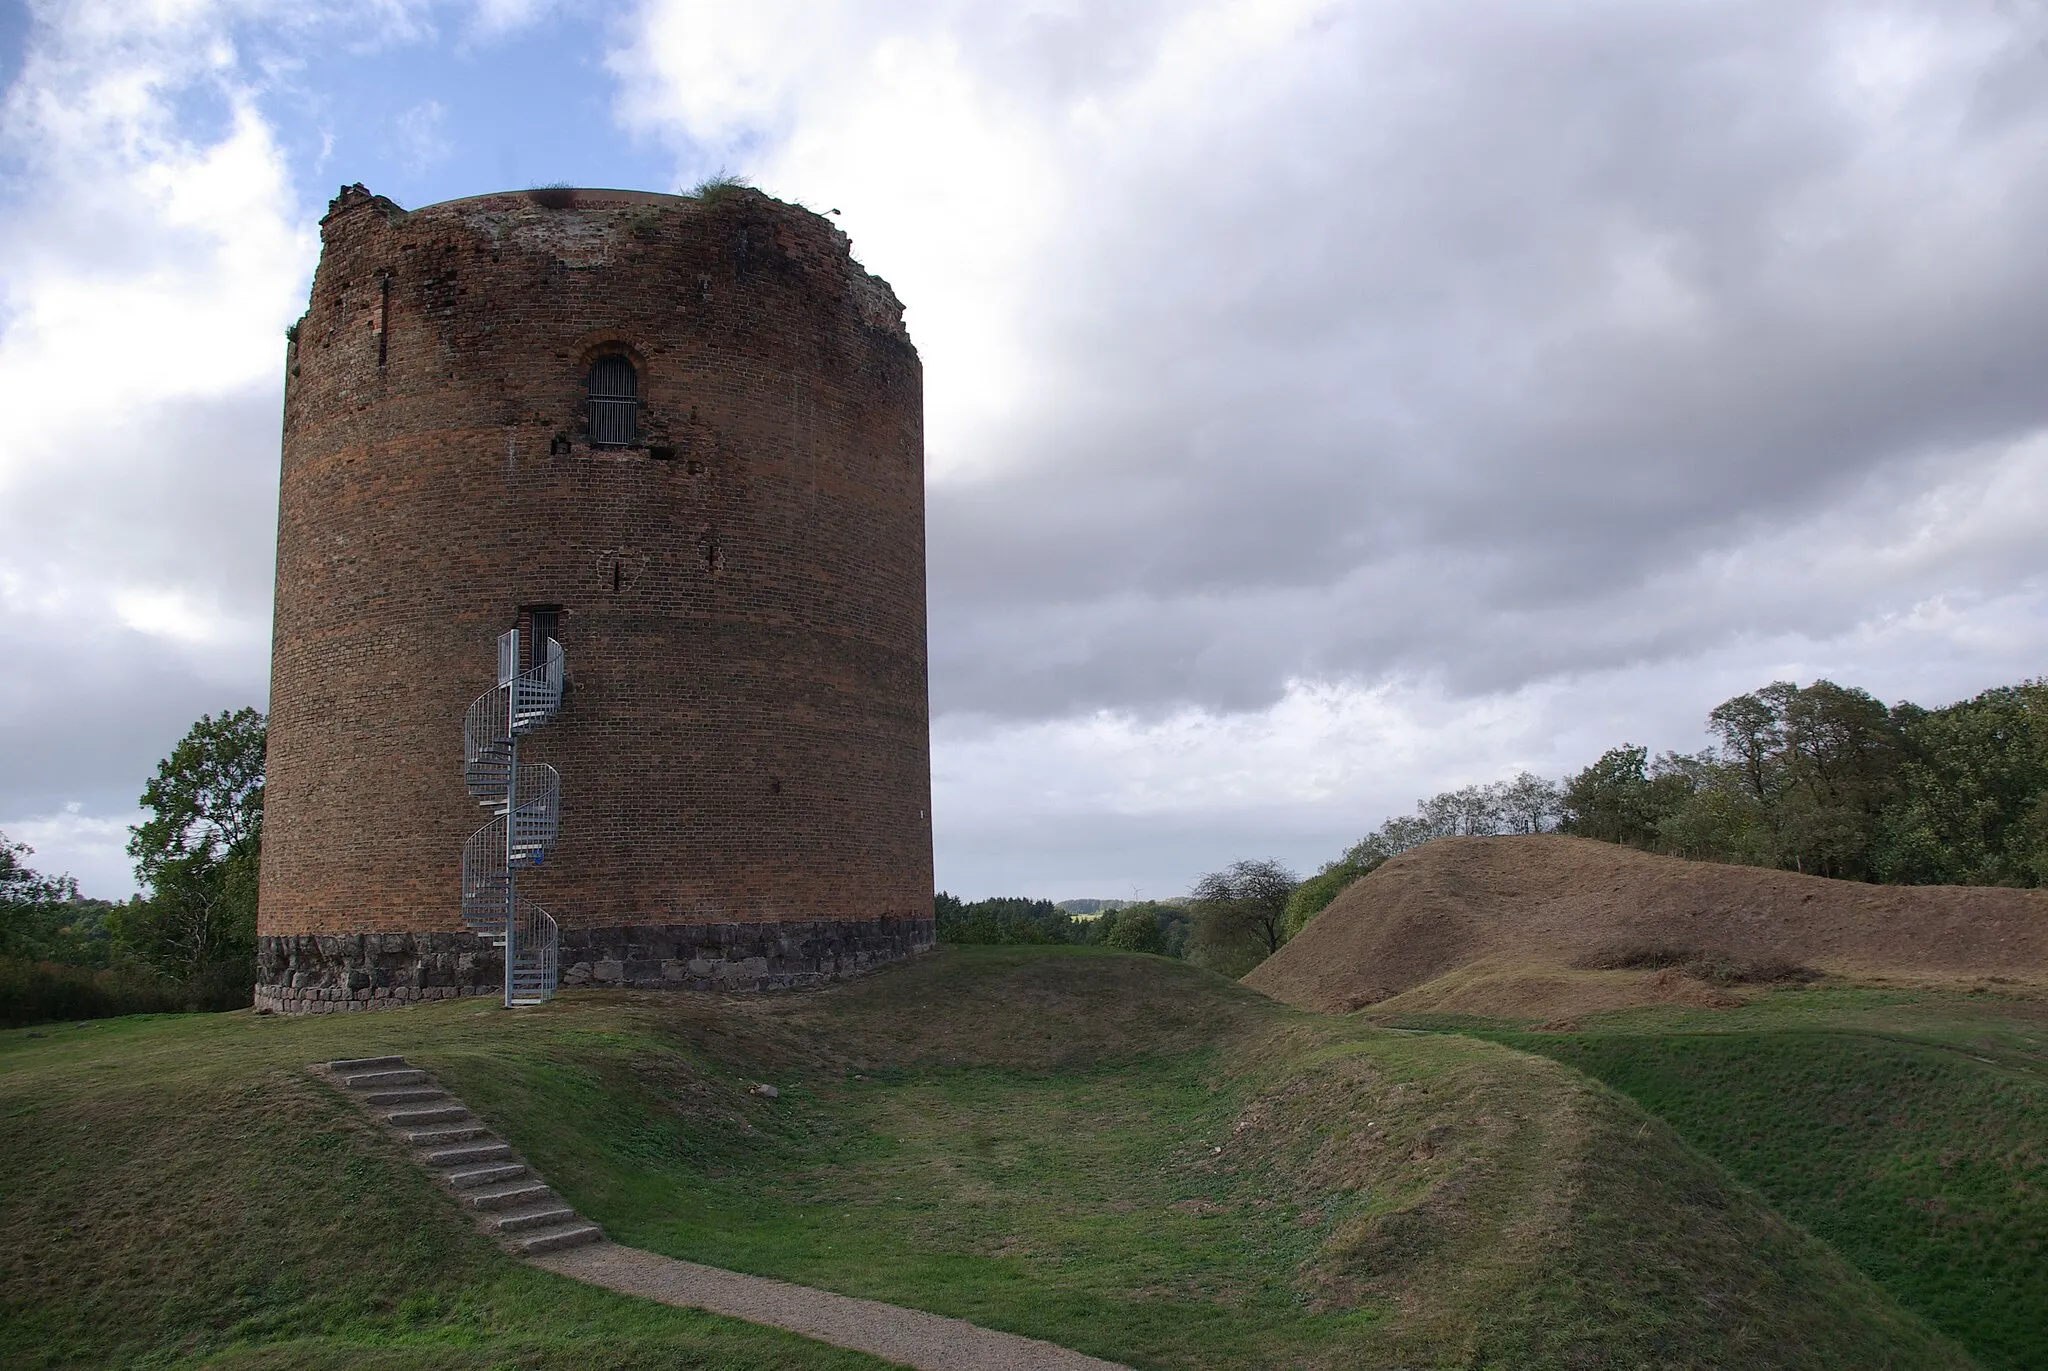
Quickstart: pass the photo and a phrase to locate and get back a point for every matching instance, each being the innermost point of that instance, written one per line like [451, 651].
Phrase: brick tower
[682, 436]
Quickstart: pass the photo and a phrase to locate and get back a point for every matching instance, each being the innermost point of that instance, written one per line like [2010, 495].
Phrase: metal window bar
[614, 403]
[543, 623]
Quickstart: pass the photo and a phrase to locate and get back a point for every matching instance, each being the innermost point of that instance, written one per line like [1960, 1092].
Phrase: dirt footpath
[908, 1337]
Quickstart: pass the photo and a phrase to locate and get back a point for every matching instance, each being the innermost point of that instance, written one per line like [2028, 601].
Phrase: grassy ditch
[1909, 1129]
[1113, 1152]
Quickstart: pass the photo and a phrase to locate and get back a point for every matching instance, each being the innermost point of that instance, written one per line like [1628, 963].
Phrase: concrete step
[526, 1217]
[468, 1152]
[449, 1112]
[443, 1137]
[475, 1177]
[511, 1196]
[419, 1094]
[508, 1199]
[555, 1239]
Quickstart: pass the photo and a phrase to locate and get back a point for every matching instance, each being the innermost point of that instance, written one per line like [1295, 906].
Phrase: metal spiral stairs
[525, 799]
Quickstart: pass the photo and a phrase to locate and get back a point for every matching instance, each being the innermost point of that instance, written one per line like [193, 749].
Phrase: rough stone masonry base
[322, 973]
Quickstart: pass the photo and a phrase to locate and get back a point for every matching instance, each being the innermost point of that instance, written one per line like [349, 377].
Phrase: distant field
[1907, 1128]
[1114, 1152]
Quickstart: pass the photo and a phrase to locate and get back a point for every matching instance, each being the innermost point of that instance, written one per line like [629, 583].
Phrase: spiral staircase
[525, 799]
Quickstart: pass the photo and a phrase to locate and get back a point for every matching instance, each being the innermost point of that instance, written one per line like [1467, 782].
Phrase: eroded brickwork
[744, 737]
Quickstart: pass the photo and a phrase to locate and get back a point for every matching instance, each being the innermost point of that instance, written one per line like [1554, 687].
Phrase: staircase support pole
[511, 835]
[511, 814]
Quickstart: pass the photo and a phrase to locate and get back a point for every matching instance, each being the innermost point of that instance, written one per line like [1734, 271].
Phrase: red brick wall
[745, 734]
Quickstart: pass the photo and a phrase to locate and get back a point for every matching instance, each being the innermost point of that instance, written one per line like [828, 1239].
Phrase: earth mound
[1548, 926]
[1118, 1153]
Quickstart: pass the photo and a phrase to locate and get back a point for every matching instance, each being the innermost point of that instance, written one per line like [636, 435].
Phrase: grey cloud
[1352, 394]
[181, 499]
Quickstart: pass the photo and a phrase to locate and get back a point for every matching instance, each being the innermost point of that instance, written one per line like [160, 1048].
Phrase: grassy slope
[1116, 1153]
[178, 1193]
[1909, 1129]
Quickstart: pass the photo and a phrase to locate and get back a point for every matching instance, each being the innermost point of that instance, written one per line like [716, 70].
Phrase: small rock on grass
[768, 1091]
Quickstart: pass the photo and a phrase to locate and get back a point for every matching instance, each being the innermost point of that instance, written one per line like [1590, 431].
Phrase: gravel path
[909, 1337]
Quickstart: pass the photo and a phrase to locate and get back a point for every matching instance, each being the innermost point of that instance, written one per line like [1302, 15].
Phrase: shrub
[50, 992]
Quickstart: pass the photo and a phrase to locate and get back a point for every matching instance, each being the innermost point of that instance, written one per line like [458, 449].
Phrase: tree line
[1823, 779]
[1828, 780]
[1230, 922]
[189, 940]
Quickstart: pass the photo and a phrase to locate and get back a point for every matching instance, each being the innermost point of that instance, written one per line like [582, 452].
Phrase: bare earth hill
[1549, 926]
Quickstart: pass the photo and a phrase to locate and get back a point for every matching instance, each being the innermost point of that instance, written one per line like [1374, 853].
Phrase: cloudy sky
[1328, 403]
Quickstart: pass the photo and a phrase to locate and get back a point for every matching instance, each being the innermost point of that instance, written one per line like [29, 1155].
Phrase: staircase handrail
[537, 691]
[526, 800]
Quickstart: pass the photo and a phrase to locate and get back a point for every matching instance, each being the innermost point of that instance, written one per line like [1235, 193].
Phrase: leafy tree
[1751, 736]
[1528, 804]
[1612, 799]
[32, 907]
[1141, 926]
[1240, 915]
[1839, 762]
[1973, 792]
[198, 853]
[1315, 894]
[1135, 929]
[1004, 920]
[1707, 810]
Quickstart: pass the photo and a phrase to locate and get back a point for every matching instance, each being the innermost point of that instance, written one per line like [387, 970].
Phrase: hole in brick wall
[695, 468]
[714, 559]
[617, 572]
[558, 446]
[662, 454]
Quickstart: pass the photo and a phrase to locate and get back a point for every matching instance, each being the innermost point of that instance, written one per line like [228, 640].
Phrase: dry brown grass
[1547, 926]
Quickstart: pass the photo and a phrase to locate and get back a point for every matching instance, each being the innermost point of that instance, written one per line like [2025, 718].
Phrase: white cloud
[154, 260]
[93, 849]
[420, 138]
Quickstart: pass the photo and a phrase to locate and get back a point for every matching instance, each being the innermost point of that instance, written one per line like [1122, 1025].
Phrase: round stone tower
[683, 436]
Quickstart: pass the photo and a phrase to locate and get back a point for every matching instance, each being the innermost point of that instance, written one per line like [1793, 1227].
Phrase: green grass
[1115, 1153]
[1908, 1129]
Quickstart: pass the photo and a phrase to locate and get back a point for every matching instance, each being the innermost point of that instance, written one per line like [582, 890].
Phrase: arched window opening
[614, 403]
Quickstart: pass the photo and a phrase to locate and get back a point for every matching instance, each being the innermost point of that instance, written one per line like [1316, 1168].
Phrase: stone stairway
[510, 1201]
